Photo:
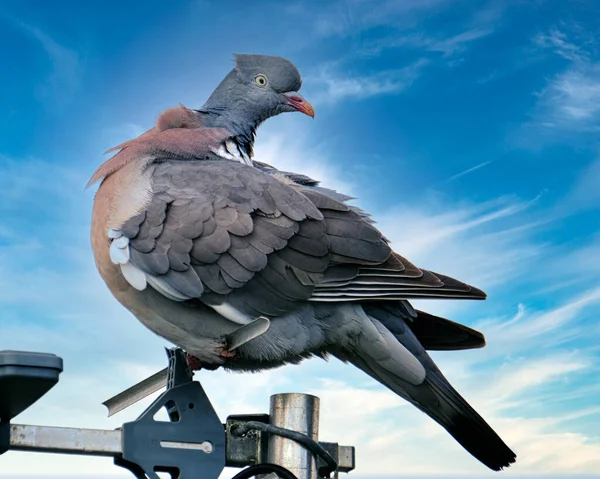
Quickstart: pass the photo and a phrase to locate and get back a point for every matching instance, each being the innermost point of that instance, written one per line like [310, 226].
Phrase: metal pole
[298, 412]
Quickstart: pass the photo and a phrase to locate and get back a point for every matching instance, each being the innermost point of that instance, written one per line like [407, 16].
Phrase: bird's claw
[196, 365]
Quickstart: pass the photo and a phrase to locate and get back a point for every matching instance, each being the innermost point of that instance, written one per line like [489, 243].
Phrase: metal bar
[65, 440]
[136, 392]
[298, 412]
[241, 452]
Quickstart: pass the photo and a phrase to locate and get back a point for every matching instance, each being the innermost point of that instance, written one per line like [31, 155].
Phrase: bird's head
[259, 87]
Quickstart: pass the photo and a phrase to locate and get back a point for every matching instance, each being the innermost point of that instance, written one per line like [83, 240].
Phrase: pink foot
[196, 365]
[193, 362]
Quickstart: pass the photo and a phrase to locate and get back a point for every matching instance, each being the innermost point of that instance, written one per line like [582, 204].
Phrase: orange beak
[295, 100]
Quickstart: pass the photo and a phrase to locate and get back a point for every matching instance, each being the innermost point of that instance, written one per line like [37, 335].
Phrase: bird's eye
[261, 80]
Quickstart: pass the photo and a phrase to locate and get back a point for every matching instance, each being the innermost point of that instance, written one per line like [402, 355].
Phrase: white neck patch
[230, 150]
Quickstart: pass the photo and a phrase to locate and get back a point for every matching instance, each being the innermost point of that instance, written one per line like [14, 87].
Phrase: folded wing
[247, 243]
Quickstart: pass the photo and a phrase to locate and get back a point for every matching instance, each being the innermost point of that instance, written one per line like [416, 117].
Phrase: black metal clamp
[193, 440]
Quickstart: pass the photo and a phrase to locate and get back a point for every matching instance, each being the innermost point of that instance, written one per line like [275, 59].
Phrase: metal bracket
[193, 444]
[246, 450]
[192, 440]
[345, 456]
[253, 447]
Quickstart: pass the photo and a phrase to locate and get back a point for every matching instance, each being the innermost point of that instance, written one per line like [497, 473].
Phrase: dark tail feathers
[467, 426]
[439, 400]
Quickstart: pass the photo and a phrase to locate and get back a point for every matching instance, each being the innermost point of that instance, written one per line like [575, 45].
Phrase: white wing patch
[119, 247]
[134, 276]
[232, 314]
[119, 254]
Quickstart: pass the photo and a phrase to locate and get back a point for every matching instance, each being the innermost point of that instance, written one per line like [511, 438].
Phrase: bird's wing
[347, 280]
[210, 226]
[395, 278]
[248, 243]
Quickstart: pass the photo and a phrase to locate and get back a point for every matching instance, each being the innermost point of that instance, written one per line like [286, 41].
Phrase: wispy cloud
[570, 103]
[558, 325]
[65, 64]
[411, 35]
[458, 43]
[337, 85]
[351, 17]
[348, 17]
[583, 261]
[468, 170]
[558, 41]
[419, 41]
[456, 239]
[572, 100]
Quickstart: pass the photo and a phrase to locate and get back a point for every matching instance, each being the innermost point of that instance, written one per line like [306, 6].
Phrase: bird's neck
[242, 129]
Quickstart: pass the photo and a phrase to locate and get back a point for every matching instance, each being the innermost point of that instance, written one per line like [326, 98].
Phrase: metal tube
[65, 440]
[299, 412]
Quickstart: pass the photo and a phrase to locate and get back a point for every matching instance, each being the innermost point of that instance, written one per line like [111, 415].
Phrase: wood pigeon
[197, 239]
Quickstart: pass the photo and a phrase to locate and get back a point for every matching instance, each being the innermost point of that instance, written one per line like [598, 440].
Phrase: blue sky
[468, 128]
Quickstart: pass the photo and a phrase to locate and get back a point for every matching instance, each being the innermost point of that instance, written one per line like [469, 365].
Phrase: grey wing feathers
[216, 228]
[370, 277]
[211, 225]
[364, 268]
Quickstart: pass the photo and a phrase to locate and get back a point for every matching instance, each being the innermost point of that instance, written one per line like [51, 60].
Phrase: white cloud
[518, 333]
[510, 394]
[458, 239]
[558, 41]
[409, 33]
[568, 108]
[392, 436]
[448, 45]
[289, 150]
[347, 17]
[571, 100]
[458, 42]
[338, 86]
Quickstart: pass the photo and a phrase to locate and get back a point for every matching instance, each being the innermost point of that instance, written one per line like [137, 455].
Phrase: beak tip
[296, 101]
